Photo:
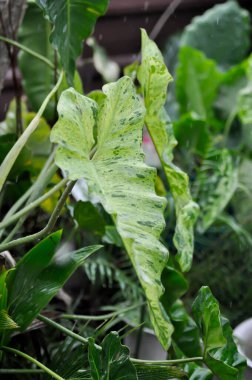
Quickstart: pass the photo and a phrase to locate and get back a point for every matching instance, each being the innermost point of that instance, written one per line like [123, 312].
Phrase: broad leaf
[222, 33]
[220, 351]
[217, 182]
[112, 362]
[154, 79]
[116, 174]
[73, 21]
[197, 83]
[39, 275]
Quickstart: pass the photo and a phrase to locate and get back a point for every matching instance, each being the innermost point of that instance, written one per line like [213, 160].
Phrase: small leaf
[222, 33]
[73, 21]
[39, 275]
[154, 79]
[220, 351]
[216, 182]
[112, 362]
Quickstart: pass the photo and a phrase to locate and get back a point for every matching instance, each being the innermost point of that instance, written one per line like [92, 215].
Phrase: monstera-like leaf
[115, 172]
[154, 79]
[73, 21]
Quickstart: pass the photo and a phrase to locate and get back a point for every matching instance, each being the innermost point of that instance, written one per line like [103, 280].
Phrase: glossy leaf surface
[220, 351]
[154, 79]
[39, 275]
[116, 174]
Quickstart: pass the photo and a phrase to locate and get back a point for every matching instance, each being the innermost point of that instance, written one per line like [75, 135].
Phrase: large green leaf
[73, 21]
[116, 174]
[39, 275]
[220, 351]
[112, 362]
[222, 33]
[37, 77]
[154, 79]
[217, 182]
[197, 83]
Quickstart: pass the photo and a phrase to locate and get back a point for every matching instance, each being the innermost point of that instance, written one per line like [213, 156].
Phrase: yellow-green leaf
[116, 173]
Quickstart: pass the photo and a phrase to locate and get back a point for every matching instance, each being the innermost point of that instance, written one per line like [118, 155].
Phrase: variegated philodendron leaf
[115, 172]
[154, 79]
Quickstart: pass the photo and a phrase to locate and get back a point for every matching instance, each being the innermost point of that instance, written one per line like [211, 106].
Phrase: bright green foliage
[39, 275]
[6, 322]
[217, 182]
[197, 83]
[220, 352]
[154, 79]
[222, 33]
[73, 21]
[88, 217]
[112, 362]
[116, 173]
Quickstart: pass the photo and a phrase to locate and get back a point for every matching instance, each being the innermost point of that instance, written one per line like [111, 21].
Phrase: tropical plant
[99, 138]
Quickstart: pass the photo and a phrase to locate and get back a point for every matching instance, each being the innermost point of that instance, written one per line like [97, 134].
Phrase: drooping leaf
[112, 362]
[116, 174]
[222, 33]
[154, 79]
[217, 182]
[88, 217]
[39, 275]
[37, 77]
[220, 351]
[73, 21]
[197, 83]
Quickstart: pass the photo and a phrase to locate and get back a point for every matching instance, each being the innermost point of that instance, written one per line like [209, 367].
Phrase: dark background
[118, 32]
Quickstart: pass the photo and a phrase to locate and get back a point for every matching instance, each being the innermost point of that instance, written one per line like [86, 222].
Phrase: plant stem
[45, 231]
[62, 329]
[27, 50]
[100, 317]
[33, 204]
[18, 146]
[168, 362]
[32, 360]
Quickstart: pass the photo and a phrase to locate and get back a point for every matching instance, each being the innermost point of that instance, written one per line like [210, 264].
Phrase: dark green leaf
[73, 21]
[88, 217]
[112, 362]
[150, 372]
[39, 275]
[222, 33]
[175, 286]
[220, 351]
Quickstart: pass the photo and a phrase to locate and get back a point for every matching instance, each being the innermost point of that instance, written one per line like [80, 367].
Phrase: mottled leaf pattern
[116, 173]
[154, 78]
